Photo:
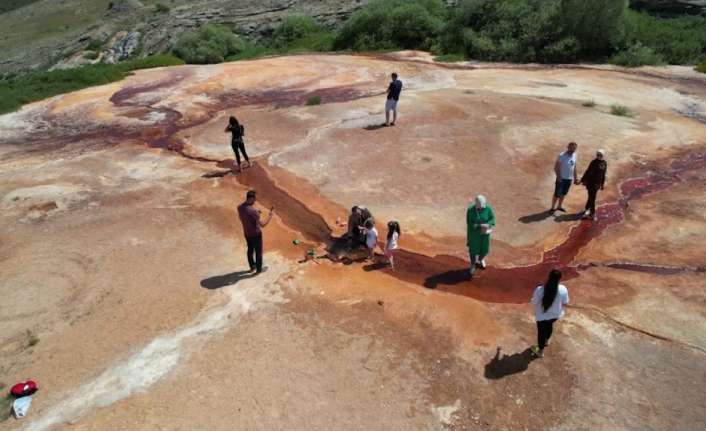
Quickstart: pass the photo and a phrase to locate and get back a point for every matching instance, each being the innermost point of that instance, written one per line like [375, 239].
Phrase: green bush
[534, 30]
[313, 100]
[161, 8]
[680, 40]
[30, 87]
[393, 24]
[621, 111]
[94, 45]
[211, 44]
[294, 28]
[701, 67]
[637, 55]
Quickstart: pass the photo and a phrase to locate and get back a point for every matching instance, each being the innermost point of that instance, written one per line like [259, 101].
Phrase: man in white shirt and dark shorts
[565, 170]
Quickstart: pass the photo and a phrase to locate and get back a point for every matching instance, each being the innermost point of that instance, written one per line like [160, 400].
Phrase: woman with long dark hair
[549, 300]
[236, 142]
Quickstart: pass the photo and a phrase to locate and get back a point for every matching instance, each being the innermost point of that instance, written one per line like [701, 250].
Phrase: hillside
[43, 32]
[38, 34]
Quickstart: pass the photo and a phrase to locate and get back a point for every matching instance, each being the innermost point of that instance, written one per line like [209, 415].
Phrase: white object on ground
[21, 406]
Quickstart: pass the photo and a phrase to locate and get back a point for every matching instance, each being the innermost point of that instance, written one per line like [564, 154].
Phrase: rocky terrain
[122, 260]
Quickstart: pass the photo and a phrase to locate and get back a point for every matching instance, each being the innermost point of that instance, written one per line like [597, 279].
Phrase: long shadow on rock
[499, 367]
[226, 279]
[374, 127]
[449, 278]
[534, 218]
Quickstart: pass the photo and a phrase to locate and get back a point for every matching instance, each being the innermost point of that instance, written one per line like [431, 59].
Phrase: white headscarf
[481, 201]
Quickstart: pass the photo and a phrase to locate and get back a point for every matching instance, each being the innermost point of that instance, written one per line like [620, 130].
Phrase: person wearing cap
[594, 180]
[252, 228]
[480, 220]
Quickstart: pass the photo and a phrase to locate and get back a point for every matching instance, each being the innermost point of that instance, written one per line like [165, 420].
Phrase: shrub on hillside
[161, 8]
[701, 67]
[211, 44]
[393, 24]
[680, 40]
[637, 55]
[534, 30]
[293, 28]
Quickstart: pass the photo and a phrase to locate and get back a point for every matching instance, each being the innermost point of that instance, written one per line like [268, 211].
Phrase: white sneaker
[482, 263]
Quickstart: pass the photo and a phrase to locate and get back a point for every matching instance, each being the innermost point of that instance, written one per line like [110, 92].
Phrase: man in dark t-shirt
[252, 228]
[393, 96]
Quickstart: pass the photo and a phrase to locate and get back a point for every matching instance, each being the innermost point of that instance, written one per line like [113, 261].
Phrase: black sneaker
[561, 209]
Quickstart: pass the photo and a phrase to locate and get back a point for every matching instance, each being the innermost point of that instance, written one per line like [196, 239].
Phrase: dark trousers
[254, 252]
[544, 332]
[238, 146]
[591, 202]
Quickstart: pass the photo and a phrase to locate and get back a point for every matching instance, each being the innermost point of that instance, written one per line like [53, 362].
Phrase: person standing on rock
[480, 220]
[565, 170]
[594, 180]
[237, 143]
[549, 300]
[393, 96]
[252, 228]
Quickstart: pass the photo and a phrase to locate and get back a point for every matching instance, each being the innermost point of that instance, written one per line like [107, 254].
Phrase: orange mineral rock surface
[123, 271]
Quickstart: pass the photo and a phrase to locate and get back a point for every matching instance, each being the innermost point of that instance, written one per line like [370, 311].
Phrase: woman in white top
[549, 300]
[393, 235]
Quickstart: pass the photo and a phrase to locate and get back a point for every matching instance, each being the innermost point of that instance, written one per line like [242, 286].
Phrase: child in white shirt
[371, 237]
[393, 235]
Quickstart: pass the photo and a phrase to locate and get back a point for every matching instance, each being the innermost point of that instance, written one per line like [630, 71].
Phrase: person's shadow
[224, 280]
[568, 217]
[374, 127]
[534, 218]
[499, 367]
[455, 276]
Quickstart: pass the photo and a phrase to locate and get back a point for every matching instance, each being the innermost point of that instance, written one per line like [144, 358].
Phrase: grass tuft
[313, 101]
[621, 111]
[589, 104]
[32, 339]
[701, 67]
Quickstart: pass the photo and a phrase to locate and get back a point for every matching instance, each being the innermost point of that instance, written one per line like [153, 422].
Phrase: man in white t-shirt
[565, 170]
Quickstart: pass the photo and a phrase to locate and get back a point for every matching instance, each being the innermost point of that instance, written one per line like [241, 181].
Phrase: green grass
[313, 101]
[588, 104]
[31, 87]
[621, 111]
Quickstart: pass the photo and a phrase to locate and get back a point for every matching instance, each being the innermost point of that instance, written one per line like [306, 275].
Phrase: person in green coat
[480, 220]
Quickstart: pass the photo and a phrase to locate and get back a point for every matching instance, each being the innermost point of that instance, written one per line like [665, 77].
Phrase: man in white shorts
[393, 96]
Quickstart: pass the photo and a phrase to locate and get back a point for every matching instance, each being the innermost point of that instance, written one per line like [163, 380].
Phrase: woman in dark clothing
[594, 179]
[237, 143]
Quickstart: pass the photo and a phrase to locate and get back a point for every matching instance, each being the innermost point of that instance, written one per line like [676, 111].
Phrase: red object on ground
[24, 389]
